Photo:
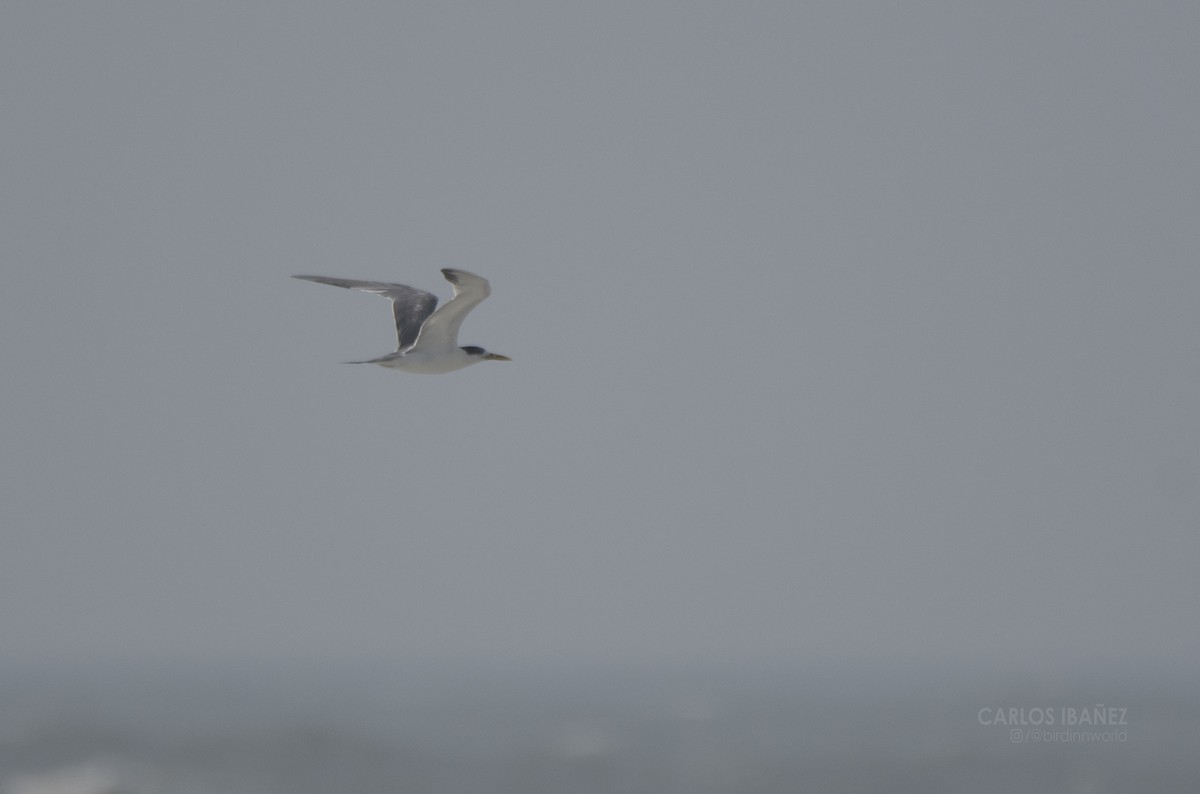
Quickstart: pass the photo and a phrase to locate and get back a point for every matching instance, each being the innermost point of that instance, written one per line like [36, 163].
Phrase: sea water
[568, 729]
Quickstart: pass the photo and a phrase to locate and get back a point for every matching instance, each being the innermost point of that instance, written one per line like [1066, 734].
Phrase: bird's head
[485, 355]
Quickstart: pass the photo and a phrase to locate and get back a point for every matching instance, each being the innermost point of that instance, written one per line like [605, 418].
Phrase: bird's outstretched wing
[440, 331]
[410, 306]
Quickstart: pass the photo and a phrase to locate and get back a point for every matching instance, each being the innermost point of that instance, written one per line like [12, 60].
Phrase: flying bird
[427, 339]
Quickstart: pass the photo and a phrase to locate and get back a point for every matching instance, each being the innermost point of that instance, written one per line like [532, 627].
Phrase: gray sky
[840, 331]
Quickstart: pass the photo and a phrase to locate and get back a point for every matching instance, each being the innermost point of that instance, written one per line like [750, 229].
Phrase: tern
[427, 339]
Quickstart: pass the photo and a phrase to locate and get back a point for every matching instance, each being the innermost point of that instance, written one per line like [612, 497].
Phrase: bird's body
[427, 337]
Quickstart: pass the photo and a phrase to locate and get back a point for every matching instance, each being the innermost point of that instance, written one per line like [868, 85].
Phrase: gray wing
[440, 331]
[410, 306]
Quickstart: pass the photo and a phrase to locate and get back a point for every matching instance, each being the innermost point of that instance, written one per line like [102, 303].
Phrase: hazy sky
[840, 331]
